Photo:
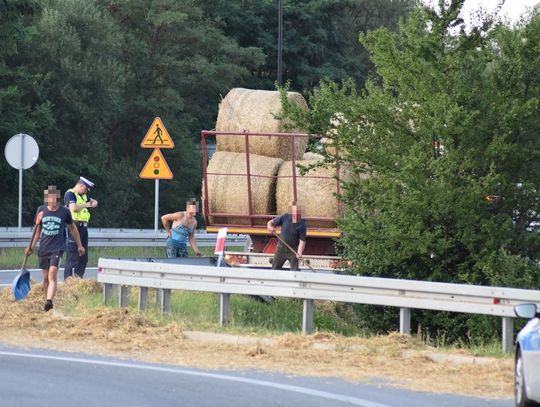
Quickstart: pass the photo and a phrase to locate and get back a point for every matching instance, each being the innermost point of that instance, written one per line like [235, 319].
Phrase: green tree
[87, 78]
[178, 65]
[72, 52]
[22, 107]
[320, 37]
[444, 150]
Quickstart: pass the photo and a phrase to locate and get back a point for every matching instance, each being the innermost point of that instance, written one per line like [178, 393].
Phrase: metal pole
[224, 308]
[507, 334]
[21, 183]
[405, 321]
[156, 207]
[280, 42]
[307, 317]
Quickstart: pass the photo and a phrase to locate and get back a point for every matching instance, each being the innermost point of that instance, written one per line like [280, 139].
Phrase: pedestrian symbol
[156, 167]
[157, 136]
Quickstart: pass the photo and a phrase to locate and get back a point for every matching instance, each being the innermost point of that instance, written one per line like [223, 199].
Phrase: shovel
[21, 282]
[306, 262]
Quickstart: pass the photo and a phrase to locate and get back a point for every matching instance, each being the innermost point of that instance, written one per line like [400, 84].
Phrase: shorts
[176, 249]
[47, 260]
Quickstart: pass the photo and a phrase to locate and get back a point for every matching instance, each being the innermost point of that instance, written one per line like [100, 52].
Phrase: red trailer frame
[320, 240]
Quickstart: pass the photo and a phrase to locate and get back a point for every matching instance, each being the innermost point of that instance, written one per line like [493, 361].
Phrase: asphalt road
[31, 377]
[7, 276]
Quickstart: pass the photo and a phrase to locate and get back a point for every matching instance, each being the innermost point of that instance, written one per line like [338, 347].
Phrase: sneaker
[48, 305]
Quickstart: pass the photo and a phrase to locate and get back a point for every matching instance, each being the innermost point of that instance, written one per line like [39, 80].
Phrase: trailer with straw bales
[258, 171]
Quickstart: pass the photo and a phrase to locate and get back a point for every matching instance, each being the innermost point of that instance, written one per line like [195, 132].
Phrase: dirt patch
[125, 333]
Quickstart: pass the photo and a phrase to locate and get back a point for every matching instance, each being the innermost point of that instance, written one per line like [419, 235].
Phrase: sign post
[156, 167]
[220, 244]
[21, 152]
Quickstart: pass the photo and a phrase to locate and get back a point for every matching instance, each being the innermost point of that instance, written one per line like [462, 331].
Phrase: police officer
[79, 204]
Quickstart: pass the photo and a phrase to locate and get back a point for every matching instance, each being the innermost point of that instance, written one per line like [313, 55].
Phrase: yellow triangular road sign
[157, 136]
[156, 167]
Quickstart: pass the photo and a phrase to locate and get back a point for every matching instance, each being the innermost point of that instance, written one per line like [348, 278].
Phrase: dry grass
[126, 333]
[254, 111]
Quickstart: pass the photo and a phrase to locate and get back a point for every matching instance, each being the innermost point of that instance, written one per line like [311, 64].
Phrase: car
[527, 358]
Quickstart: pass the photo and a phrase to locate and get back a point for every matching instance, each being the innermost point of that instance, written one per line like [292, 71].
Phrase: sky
[511, 8]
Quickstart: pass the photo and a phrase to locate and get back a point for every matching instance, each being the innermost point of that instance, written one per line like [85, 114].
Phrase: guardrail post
[159, 296]
[307, 317]
[224, 308]
[143, 298]
[507, 334]
[124, 295]
[165, 301]
[107, 292]
[405, 321]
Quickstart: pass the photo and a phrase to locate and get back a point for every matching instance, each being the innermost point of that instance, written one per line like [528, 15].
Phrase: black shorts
[47, 260]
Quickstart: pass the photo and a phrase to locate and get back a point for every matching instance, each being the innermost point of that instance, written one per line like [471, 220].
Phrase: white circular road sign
[21, 151]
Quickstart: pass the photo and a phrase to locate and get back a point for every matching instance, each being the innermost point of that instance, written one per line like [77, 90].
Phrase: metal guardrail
[404, 294]
[12, 237]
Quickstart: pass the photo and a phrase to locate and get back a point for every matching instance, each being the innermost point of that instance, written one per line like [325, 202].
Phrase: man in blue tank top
[181, 231]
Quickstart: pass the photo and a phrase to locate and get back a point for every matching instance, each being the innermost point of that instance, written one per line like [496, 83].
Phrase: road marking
[296, 389]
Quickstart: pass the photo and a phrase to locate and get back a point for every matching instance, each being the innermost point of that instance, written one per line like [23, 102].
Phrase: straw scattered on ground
[401, 360]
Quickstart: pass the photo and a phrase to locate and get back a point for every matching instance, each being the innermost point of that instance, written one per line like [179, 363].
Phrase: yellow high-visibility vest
[82, 215]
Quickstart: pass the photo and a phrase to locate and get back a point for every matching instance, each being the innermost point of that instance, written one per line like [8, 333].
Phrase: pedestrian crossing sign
[157, 136]
[156, 167]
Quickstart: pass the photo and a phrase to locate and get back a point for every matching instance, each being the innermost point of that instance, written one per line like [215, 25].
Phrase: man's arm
[302, 240]
[75, 233]
[170, 217]
[272, 223]
[28, 251]
[301, 247]
[70, 200]
[193, 243]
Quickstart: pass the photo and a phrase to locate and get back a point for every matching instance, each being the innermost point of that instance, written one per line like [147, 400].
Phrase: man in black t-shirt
[293, 232]
[50, 222]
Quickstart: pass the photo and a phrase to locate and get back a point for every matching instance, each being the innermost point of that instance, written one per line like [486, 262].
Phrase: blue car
[527, 359]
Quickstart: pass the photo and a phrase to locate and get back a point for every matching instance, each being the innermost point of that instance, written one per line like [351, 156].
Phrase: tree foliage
[86, 79]
[443, 143]
[320, 37]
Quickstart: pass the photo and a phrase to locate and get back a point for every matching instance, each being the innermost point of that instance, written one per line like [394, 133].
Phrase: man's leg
[172, 252]
[293, 261]
[280, 256]
[52, 278]
[82, 260]
[44, 264]
[72, 260]
[45, 281]
[53, 282]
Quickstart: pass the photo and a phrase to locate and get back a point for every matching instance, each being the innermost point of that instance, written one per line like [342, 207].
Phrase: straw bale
[316, 196]
[229, 193]
[254, 111]
[310, 156]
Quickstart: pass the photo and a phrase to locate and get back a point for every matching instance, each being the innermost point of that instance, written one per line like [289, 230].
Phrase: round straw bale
[315, 195]
[311, 156]
[253, 111]
[229, 193]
